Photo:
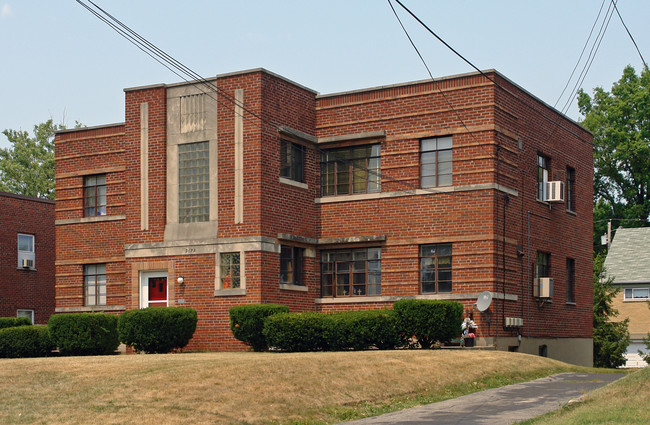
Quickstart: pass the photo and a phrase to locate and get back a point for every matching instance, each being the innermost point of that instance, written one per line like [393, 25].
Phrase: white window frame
[632, 291]
[30, 312]
[28, 255]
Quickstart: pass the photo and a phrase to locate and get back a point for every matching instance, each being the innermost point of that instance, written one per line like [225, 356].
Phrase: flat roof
[27, 198]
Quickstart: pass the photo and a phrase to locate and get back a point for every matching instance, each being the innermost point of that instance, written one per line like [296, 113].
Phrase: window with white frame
[26, 251]
[636, 294]
[23, 312]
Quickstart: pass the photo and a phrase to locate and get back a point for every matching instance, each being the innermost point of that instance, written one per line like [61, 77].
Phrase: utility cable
[628, 33]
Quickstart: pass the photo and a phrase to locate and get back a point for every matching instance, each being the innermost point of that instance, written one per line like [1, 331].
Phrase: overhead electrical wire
[590, 59]
[182, 71]
[581, 53]
[628, 33]
[537, 111]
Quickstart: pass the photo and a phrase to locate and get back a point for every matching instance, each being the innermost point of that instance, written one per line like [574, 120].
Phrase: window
[95, 284]
[193, 182]
[95, 195]
[351, 272]
[291, 271]
[435, 268]
[570, 189]
[230, 270]
[26, 255]
[436, 161]
[192, 113]
[542, 176]
[25, 313]
[351, 170]
[636, 294]
[543, 266]
[570, 280]
[292, 159]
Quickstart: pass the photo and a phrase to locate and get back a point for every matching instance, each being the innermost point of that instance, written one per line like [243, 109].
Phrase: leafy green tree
[27, 167]
[610, 338]
[620, 123]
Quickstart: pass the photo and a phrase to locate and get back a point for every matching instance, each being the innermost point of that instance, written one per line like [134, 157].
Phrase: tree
[610, 338]
[620, 123]
[27, 168]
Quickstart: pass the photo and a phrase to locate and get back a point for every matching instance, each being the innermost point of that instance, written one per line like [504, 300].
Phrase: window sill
[290, 287]
[90, 219]
[290, 182]
[93, 308]
[570, 212]
[230, 292]
[570, 303]
[26, 269]
[638, 300]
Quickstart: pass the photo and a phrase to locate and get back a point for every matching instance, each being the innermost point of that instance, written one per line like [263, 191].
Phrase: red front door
[157, 291]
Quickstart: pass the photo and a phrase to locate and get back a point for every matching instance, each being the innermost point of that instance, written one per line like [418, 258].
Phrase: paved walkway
[505, 405]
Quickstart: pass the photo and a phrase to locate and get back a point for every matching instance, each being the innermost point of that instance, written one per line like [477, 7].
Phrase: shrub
[84, 334]
[428, 320]
[247, 322]
[295, 331]
[157, 329]
[10, 322]
[25, 341]
[361, 330]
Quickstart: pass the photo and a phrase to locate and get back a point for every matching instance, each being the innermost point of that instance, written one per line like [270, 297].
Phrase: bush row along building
[250, 188]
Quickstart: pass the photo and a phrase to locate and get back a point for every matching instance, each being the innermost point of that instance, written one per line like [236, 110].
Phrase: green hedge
[361, 330]
[10, 322]
[25, 341]
[157, 329]
[295, 331]
[247, 322]
[354, 330]
[84, 334]
[429, 321]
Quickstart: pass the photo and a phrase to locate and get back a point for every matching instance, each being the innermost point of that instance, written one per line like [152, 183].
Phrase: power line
[628, 33]
[581, 53]
[179, 69]
[537, 111]
[590, 59]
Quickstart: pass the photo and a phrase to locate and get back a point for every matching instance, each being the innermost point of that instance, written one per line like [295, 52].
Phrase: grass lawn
[623, 402]
[250, 388]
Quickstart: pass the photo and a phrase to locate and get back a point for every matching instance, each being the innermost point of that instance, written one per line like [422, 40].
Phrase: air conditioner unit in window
[554, 191]
[544, 287]
[27, 263]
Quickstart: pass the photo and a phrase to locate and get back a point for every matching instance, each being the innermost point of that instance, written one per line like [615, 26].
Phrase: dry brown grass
[220, 388]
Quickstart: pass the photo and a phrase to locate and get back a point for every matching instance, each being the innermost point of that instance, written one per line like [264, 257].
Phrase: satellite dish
[484, 300]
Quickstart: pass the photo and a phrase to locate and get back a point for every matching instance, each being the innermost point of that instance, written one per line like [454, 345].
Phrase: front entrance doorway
[153, 289]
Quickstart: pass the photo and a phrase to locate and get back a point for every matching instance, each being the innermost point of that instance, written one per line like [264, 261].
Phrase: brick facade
[489, 215]
[26, 289]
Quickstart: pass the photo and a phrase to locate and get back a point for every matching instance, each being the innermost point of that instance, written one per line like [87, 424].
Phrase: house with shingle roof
[628, 262]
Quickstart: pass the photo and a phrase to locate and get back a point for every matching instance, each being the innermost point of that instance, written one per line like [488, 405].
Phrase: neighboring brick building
[331, 202]
[26, 257]
[627, 263]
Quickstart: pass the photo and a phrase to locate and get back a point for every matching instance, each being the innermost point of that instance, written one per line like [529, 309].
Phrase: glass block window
[95, 284]
[436, 161]
[230, 270]
[192, 113]
[95, 195]
[193, 182]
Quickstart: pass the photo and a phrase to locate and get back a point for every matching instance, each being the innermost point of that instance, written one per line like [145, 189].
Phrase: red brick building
[250, 188]
[26, 257]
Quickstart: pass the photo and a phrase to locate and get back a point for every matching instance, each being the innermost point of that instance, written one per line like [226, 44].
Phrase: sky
[59, 61]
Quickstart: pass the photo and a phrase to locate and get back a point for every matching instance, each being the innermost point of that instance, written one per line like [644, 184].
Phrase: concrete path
[505, 405]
